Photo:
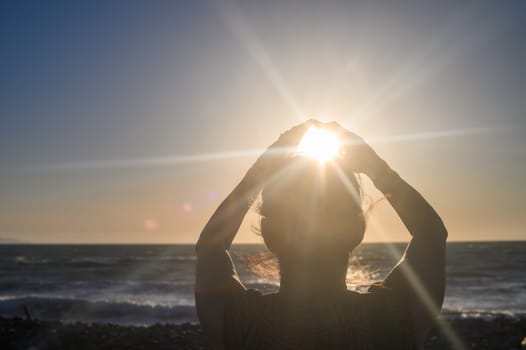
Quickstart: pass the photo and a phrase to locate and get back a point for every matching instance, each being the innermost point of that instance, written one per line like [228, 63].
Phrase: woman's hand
[357, 155]
[278, 154]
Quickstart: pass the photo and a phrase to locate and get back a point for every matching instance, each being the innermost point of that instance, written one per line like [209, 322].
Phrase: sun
[319, 144]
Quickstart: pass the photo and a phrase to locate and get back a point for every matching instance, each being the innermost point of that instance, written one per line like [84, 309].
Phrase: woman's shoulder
[379, 301]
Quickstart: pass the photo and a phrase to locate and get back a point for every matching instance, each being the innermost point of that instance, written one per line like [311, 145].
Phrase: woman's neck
[314, 277]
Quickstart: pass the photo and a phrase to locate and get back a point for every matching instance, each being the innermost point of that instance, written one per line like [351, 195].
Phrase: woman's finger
[294, 134]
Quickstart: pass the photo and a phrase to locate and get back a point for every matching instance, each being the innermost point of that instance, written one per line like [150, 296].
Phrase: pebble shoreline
[17, 334]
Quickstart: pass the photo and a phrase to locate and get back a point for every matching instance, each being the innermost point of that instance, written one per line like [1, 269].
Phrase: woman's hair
[311, 205]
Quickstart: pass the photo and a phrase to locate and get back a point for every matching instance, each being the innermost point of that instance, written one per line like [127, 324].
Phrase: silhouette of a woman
[312, 220]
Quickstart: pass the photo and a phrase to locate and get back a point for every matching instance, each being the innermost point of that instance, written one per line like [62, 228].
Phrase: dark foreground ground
[500, 333]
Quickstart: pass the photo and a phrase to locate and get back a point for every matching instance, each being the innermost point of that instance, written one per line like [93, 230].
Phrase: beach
[17, 334]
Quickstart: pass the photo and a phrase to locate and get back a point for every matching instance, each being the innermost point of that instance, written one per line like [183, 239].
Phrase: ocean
[147, 284]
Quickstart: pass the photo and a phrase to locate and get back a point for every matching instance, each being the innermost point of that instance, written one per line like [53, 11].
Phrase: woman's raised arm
[216, 278]
[420, 274]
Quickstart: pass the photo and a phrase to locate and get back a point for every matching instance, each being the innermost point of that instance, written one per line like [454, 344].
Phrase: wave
[80, 310]
[482, 314]
[71, 310]
[33, 285]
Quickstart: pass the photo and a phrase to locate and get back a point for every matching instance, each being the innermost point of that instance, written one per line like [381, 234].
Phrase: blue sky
[118, 114]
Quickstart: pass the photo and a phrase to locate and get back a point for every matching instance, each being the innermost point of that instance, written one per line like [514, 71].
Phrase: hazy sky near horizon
[130, 121]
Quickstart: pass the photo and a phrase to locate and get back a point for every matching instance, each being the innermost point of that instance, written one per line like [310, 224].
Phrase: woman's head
[309, 208]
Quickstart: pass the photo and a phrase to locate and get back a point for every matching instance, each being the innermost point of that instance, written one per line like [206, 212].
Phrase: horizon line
[234, 244]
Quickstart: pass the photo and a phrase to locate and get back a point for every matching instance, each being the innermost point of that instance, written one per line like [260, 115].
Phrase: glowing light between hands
[319, 144]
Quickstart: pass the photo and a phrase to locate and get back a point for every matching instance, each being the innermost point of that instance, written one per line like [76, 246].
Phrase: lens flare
[319, 144]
